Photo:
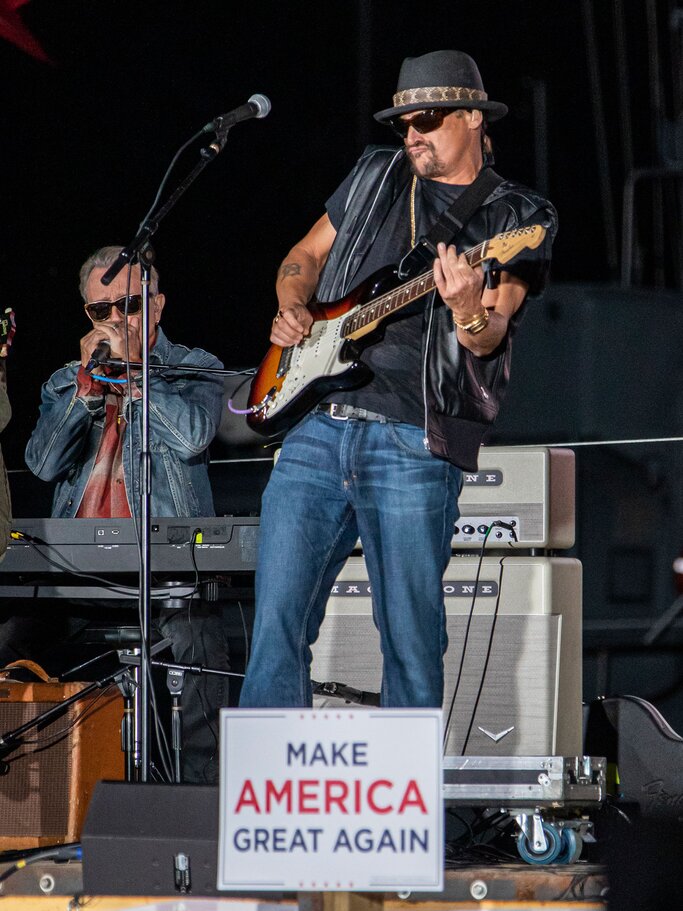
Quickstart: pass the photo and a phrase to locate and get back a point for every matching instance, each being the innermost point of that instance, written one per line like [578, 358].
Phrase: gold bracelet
[478, 324]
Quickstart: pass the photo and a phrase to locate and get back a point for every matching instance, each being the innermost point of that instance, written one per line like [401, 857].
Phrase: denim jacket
[185, 411]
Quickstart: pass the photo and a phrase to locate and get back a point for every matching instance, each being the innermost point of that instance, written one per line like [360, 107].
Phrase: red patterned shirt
[105, 493]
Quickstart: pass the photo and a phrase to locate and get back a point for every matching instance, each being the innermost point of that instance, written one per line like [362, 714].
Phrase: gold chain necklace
[412, 211]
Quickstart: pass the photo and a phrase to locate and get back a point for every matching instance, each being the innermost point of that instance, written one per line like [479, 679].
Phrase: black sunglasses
[101, 310]
[424, 122]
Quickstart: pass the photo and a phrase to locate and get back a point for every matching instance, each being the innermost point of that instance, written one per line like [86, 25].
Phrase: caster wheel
[571, 845]
[548, 856]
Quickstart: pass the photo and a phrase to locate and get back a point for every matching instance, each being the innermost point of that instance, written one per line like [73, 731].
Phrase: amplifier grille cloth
[35, 797]
[520, 689]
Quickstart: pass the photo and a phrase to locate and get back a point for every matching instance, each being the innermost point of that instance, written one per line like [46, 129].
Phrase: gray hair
[102, 259]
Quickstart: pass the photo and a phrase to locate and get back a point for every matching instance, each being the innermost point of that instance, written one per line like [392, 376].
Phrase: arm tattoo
[290, 269]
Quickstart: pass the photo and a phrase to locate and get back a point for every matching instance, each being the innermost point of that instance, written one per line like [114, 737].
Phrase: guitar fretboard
[400, 297]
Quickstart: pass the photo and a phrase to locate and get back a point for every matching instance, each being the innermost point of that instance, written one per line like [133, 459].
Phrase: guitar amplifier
[531, 489]
[51, 775]
[526, 700]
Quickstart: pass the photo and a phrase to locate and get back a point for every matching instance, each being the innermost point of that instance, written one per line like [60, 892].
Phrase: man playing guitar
[384, 460]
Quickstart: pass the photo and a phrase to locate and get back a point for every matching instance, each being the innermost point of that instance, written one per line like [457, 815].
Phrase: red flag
[14, 30]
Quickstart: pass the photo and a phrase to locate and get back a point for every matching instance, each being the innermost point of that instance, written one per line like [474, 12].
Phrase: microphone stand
[146, 258]
[13, 740]
[188, 368]
[140, 250]
[175, 679]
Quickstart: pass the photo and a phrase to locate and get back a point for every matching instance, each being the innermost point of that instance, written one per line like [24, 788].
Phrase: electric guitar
[290, 381]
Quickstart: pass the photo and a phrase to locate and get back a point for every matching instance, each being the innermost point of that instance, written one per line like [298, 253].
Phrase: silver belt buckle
[334, 407]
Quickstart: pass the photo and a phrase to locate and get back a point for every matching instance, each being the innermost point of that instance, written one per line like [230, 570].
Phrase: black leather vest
[463, 392]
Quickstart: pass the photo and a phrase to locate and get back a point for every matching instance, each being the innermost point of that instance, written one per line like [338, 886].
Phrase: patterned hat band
[438, 93]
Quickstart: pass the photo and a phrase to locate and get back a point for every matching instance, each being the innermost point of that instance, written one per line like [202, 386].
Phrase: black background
[87, 139]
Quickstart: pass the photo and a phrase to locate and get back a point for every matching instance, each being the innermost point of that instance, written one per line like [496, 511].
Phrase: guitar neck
[400, 297]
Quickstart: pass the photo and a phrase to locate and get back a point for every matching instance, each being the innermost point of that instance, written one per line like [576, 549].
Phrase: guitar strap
[450, 223]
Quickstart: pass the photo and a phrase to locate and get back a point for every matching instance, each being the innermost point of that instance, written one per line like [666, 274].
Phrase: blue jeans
[336, 480]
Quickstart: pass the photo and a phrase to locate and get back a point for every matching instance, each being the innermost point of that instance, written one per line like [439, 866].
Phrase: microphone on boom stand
[257, 107]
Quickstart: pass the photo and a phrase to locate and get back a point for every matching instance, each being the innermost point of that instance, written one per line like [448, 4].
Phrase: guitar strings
[410, 291]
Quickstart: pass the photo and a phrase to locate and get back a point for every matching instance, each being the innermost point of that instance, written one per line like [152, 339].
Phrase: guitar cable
[456, 688]
[470, 617]
[58, 853]
[248, 374]
[489, 648]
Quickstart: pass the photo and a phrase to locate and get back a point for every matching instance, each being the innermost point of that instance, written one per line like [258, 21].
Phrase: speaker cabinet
[155, 839]
[526, 700]
[47, 787]
[151, 839]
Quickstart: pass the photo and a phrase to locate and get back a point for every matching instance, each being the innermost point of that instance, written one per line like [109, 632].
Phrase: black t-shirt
[395, 389]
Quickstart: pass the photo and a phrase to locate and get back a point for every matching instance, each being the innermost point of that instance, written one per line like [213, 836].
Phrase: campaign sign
[334, 800]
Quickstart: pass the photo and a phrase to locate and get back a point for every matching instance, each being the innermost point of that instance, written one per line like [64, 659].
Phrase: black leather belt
[344, 412]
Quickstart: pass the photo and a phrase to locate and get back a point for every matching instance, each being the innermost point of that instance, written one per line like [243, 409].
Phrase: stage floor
[512, 887]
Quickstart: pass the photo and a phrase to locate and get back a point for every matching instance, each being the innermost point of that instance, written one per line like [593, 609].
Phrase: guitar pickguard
[323, 355]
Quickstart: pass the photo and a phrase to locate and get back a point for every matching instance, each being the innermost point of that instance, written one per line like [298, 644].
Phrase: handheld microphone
[100, 353]
[258, 106]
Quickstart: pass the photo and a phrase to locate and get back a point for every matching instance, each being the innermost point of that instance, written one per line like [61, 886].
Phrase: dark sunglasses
[424, 122]
[101, 310]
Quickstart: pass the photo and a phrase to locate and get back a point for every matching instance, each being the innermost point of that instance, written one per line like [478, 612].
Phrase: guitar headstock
[504, 246]
[8, 327]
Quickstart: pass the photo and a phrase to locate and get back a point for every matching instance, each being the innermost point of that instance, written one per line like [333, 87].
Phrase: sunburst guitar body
[291, 381]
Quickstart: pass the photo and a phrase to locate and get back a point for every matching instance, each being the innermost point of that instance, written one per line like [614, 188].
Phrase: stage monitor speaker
[47, 788]
[151, 839]
[530, 702]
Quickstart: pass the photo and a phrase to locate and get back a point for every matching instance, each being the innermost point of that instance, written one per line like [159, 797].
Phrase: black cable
[495, 524]
[245, 633]
[65, 566]
[59, 853]
[210, 726]
[482, 826]
[195, 589]
[487, 658]
[164, 179]
[192, 682]
[576, 889]
[451, 707]
[161, 739]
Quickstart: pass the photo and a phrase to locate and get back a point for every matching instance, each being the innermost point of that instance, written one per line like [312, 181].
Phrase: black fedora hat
[442, 79]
